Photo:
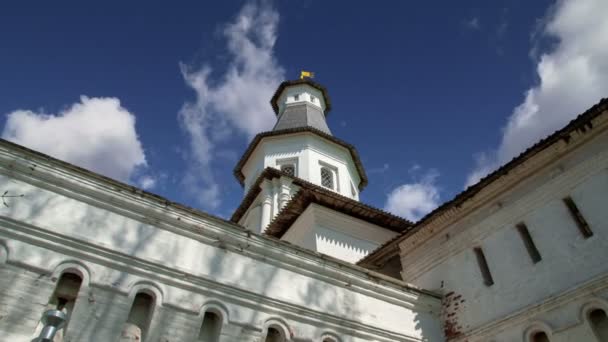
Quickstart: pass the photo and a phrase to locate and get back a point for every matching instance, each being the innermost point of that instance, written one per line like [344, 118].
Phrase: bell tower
[301, 147]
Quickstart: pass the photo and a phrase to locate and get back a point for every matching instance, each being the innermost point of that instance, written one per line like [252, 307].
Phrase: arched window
[540, 336]
[63, 299]
[211, 328]
[274, 335]
[327, 178]
[140, 316]
[599, 324]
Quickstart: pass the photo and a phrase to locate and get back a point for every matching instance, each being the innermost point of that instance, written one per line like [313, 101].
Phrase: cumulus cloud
[573, 75]
[96, 133]
[234, 103]
[414, 200]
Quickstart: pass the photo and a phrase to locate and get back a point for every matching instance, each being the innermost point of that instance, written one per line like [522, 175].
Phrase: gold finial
[306, 74]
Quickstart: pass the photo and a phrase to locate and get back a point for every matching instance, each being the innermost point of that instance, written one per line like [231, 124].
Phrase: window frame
[529, 243]
[577, 217]
[288, 161]
[334, 173]
[484, 268]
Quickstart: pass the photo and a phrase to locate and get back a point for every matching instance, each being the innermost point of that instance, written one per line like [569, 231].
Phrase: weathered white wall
[311, 151]
[123, 241]
[573, 270]
[336, 234]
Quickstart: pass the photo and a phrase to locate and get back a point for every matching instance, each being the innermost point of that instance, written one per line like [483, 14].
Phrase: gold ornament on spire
[306, 74]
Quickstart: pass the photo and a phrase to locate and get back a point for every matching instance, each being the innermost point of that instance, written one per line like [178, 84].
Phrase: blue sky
[433, 94]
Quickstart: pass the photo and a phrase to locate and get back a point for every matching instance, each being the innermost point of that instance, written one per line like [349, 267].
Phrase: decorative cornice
[48, 173]
[175, 277]
[312, 193]
[238, 169]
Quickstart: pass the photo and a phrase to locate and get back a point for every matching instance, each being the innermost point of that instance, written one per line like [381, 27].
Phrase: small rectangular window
[483, 267]
[528, 242]
[327, 178]
[582, 224]
[296, 97]
[289, 169]
[312, 99]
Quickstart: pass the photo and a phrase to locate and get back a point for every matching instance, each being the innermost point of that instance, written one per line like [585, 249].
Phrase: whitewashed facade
[122, 241]
[542, 228]
[521, 256]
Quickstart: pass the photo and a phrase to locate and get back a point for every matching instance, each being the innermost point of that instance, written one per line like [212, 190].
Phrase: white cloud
[96, 133]
[147, 182]
[414, 200]
[572, 77]
[237, 102]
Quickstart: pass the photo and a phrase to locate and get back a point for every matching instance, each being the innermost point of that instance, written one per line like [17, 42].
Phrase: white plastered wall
[573, 270]
[304, 93]
[126, 241]
[336, 234]
[311, 152]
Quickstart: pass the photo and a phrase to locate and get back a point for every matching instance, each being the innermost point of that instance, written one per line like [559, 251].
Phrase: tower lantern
[302, 149]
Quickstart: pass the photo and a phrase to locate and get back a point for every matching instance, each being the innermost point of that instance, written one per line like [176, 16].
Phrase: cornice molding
[60, 177]
[421, 260]
[173, 276]
[491, 193]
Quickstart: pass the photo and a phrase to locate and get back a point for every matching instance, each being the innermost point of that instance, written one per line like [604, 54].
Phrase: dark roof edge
[579, 122]
[270, 173]
[238, 169]
[362, 272]
[310, 82]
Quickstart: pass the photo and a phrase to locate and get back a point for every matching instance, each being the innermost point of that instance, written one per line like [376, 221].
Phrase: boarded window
[528, 242]
[483, 267]
[327, 178]
[599, 323]
[578, 218]
[540, 337]
[211, 328]
[138, 321]
[289, 169]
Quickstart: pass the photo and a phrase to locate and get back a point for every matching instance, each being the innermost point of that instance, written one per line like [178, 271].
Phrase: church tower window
[327, 178]
[289, 169]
